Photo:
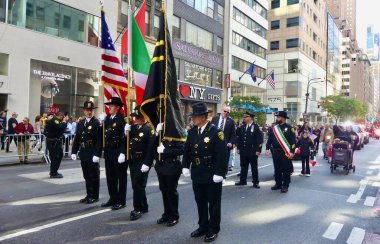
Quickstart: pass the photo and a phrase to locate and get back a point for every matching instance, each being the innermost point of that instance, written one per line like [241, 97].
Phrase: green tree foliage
[237, 110]
[340, 107]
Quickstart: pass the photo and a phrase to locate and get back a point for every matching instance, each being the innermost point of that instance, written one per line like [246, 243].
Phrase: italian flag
[140, 61]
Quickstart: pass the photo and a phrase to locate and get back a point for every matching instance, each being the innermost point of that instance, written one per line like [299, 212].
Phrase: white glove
[159, 127]
[186, 172]
[127, 128]
[74, 157]
[95, 159]
[121, 158]
[160, 149]
[217, 178]
[102, 117]
[144, 168]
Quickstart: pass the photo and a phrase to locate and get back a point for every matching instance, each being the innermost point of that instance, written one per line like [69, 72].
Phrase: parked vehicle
[361, 134]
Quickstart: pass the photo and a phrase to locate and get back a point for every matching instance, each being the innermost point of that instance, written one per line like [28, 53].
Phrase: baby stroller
[341, 155]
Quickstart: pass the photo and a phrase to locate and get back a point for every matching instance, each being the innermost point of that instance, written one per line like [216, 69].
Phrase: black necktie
[199, 130]
[221, 126]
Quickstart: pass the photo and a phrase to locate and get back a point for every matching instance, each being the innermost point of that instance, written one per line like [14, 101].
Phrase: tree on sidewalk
[251, 103]
[340, 107]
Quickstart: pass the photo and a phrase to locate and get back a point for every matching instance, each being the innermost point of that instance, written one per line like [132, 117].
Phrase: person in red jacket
[23, 131]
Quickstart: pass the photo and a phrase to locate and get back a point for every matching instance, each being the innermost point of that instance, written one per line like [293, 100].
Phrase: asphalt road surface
[325, 208]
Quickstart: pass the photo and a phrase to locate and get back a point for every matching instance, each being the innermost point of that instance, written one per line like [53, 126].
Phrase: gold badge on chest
[89, 128]
[114, 124]
[207, 139]
[141, 134]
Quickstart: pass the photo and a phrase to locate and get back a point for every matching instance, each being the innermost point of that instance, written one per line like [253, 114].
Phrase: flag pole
[246, 70]
[258, 84]
[129, 70]
[103, 124]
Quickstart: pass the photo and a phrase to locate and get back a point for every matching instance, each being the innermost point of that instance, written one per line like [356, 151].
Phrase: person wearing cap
[283, 141]
[87, 145]
[114, 154]
[140, 134]
[168, 167]
[53, 132]
[205, 153]
[249, 147]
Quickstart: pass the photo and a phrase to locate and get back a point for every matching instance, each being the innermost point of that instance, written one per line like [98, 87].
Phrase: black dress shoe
[171, 222]
[135, 215]
[210, 237]
[256, 186]
[56, 176]
[239, 183]
[238, 174]
[284, 190]
[83, 200]
[107, 204]
[91, 200]
[275, 187]
[230, 169]
[118, 206]
[162, 220]
[145, 211]
[198, 233]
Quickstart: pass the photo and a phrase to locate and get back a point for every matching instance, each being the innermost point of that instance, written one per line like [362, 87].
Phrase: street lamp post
[309, 82]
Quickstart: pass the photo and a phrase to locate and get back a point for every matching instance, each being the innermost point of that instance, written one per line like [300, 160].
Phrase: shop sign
[199, 93]
[197, 55]
[53, 109]
[51, 75]
[274, 99]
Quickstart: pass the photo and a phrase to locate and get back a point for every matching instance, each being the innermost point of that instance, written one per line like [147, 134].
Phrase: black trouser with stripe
[116, 174]
[91, 175]
[139, 180]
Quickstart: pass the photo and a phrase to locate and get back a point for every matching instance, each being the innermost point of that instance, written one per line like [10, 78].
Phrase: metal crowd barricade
[29, 147]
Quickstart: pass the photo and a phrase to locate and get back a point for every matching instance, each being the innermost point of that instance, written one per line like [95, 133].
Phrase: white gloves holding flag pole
[121, 158]
[102, 117]
[160, 149]
[144, 168]
[186, 172]
[159, 128]
[127, 129]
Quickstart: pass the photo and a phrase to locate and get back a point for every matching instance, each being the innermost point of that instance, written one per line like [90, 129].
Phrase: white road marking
[42, 227]
[360, 191]
[356, 236]
[234, 174]
[376, 184]
[369, 201]
[352, 198]
[69, 176]
[333, 231]
[369, 172]
[363, 182]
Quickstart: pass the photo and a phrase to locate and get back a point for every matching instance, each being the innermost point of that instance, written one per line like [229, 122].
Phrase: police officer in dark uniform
[205, 152]
[140, 134]
[88, 146]
[54, 135]
[114, 154]
[282, 157]
[168, 167]
[250, 142]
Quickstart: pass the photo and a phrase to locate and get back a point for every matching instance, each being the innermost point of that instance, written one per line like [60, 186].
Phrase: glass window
[156, 24]
[176, 27]
[93, 25]
[290, 43]
[293, 66]
[210, 8]
[257, 7]
[275, 45]
[2, 10]
[147, 19]
[290, 22]
[198, 36]
[242, 65]
[220, 13]
[290, 2]
[249, 23]
[219, 45]
[176, 62]
[275, 4]
[4, 62]
[219, 79]
[275, 24]
[248, 45]
[198, 74]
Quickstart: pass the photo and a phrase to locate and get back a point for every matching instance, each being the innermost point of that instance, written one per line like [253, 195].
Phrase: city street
[325, 208]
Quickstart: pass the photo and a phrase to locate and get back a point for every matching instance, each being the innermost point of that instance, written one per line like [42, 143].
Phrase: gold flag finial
[101, 5]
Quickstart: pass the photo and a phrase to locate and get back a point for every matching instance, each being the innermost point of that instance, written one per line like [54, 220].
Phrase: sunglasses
[226, 112]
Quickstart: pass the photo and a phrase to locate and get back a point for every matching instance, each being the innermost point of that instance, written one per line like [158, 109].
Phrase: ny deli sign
[199, 93]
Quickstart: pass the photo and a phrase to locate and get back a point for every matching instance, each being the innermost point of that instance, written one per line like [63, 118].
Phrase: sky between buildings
[368, 12]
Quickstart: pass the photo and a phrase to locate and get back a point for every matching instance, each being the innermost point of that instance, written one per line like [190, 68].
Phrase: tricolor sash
[282, 140]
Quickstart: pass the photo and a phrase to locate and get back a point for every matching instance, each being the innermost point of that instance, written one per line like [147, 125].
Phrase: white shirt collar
[88, 119]
[203, 127]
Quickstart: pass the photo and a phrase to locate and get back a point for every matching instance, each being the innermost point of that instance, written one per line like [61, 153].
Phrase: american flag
[270, 79]
[113, 77]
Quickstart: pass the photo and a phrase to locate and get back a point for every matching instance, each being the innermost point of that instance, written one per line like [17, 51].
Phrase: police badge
[207, 139]
[141, 134]
[89, 128]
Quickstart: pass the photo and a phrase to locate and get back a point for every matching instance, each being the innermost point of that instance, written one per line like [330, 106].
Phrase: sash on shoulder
[282, 140]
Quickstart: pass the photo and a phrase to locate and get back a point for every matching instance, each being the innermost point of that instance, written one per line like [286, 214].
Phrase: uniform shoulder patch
[152, 131]
[293, 130]
[56, 121]
[221, 135]
[293, 146]
[126, 119]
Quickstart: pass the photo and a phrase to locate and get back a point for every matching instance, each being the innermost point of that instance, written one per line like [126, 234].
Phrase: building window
[293, 66]
[291, 2]
[292, 89]
[314, 37]
[219, 79]
[210, 8]
[290, 22]
[198, 36]
[275, 24]
[156, 25]
[2, 10]
[275, 4]
[242, 65]
[219, 45]
[176, 62]
[55, 19]
[275, 45]
[147, 19]
[314, 55]
[207, 7]
[257, 7]
[4, 63]
[176, 29]
[248, 45]
[291, 43]
[249, 23]
[220, 13]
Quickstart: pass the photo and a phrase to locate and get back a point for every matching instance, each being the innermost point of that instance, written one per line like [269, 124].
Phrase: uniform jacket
[250, 140]
[206, 154]
[289, 133]
[54, 128]
[304, 145]
[229, 129]
[86, 139]
[115, 141]
[326, 134]
[139, 140]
